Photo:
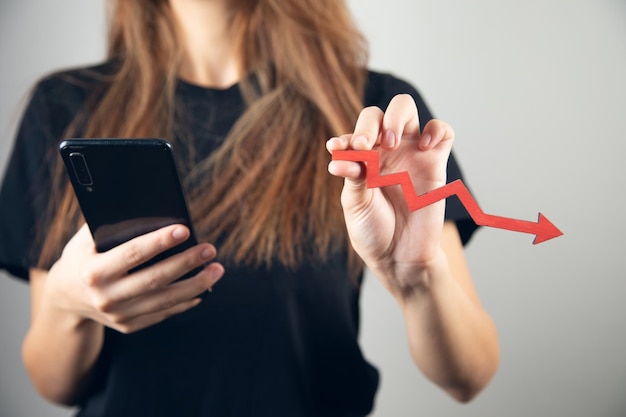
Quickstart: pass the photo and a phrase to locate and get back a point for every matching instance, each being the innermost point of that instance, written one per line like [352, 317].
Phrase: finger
[338, 143]
[161, 274]
[400, 118]
[436, 132]
[345, 169]
[147, 320]
[366, 134]
[165, 298]
[367, 129]
[135, 252]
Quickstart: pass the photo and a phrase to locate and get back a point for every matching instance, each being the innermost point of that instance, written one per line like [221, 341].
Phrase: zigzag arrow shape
[543, 229]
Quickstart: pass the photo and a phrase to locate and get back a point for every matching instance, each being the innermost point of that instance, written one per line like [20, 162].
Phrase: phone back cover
[135, 188]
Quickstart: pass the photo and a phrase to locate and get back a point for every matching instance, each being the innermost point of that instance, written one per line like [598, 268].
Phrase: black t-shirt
[265, 342]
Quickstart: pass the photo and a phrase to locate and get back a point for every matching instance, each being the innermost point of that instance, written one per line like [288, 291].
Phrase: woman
[247, 91]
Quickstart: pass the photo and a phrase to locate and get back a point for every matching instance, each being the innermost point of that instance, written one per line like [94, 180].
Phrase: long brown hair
[265, 193]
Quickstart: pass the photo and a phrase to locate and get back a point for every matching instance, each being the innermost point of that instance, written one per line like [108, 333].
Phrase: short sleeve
[25, 188]
[381, 88]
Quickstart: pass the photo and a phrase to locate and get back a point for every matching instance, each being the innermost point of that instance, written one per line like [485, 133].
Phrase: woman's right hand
[97, 286]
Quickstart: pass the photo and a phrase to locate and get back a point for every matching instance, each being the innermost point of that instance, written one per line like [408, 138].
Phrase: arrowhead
[545, 230]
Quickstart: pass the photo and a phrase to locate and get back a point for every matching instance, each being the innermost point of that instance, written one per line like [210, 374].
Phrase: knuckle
[116, 319]
[102, 303]
[371, 111]
[192, 260]
[91, 277]
[154, 281]
[168, 302]
[133, 254]
[164, 241]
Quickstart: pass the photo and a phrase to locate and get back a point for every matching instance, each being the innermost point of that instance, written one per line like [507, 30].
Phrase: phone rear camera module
[80, 169]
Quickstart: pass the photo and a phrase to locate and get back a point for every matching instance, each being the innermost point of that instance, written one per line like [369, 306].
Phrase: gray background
[536, 93]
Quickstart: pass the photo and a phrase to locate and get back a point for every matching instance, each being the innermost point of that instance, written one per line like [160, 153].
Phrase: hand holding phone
[127, 188]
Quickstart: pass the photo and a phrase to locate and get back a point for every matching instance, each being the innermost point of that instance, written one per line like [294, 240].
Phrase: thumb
[82, 238]
[355, 194]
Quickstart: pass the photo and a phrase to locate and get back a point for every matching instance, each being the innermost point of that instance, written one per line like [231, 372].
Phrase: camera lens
[80, 168]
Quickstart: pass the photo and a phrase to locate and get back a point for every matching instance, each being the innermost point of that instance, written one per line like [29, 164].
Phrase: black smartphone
[126, 188]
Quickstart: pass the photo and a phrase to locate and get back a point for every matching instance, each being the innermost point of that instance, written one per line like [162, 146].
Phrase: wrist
[410, 282]
[56, 310]
[66, 321]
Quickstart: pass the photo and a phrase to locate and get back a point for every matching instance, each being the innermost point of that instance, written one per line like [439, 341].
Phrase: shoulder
[57, 98]
[381, 87]
[74, 84]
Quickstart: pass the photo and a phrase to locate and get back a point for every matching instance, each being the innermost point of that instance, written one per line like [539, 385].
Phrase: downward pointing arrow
[543, 229]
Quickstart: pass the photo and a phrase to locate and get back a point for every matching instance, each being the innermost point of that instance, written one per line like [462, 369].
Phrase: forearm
[85, 290]
[60, 349]
[451, 338]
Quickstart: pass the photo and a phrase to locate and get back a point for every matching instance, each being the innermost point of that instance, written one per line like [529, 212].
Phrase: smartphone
[127, 188]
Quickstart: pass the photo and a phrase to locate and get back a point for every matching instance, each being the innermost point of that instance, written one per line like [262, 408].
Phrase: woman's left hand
[395, 243]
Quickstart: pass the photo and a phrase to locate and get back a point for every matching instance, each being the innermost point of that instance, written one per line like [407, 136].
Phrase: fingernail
[179, 233]
[360, 141]
[207, 254]
[334, 139]
[389, 139]
[214, 276]
[426, 140]
[215, 272]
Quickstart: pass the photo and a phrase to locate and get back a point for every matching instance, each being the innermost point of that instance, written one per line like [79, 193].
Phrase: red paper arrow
[543, 229]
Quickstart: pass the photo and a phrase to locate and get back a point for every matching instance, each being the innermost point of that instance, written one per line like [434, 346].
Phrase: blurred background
[536, 93]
